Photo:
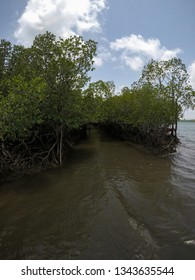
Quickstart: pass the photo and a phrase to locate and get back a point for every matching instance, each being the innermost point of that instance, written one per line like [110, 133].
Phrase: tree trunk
[176, 129]
[61, 146]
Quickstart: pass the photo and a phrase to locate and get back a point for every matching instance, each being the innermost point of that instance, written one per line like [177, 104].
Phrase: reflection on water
[110, 201]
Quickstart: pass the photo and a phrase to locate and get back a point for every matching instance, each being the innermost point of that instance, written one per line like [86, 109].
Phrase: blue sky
[129, 32]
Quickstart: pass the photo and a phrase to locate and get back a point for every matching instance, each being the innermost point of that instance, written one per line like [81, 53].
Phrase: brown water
[110, 201]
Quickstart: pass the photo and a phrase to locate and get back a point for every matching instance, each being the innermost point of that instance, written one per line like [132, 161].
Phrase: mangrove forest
[47, 102]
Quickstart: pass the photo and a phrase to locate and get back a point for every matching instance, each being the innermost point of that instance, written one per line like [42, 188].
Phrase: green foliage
[43, 83]
[138, 107]
[94, 97]
[171, 82]
[156, 100]
[21, 110]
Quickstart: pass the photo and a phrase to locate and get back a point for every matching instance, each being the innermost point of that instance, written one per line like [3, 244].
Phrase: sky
[129, 32]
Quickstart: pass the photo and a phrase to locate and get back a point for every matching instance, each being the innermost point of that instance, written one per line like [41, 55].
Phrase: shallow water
[110, 201]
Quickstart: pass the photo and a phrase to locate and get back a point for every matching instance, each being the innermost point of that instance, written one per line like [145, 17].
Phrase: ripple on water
[110, 201]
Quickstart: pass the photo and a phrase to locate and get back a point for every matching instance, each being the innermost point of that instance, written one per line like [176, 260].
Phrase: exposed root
[153, 138]
[45, 148]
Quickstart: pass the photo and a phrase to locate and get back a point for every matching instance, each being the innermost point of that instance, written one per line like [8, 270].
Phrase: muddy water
[110, 201]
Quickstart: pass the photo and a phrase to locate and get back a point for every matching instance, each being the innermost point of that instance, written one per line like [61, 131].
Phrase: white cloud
[191, 71]
[136, 50]
[98, 61]
[189, 115]
[103, 55]
[61, 17]
[136, 63]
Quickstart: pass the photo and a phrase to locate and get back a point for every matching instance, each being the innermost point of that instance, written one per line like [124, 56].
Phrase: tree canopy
[43, 83]
[41, 89]
[171, 82]
[46, 94]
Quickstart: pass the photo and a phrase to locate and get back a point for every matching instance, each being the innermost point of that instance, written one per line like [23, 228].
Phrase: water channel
[109, 201]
